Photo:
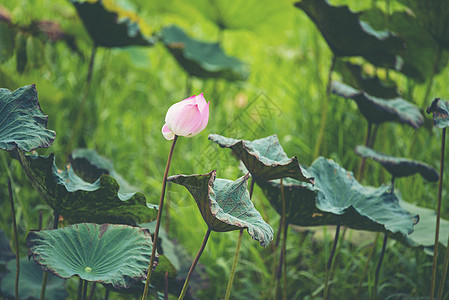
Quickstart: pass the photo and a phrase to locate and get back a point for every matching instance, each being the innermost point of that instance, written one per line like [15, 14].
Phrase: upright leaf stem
[437, 229]
[16, 239]
[237, 250]
[329, 263]
[45, 275]
[195, 261]
[159, 217]
[282, 258]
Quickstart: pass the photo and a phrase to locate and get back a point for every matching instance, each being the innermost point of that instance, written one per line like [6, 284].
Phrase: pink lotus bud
[186, 118]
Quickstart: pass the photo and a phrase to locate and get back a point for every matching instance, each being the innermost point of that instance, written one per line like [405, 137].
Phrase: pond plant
[91, 234]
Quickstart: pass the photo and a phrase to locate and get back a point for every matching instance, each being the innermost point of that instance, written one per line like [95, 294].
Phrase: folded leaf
[377, 110]
[23, 125]
[265, 158]
[202, 59]
[440, 111]
[80, 201]
[225, 205]
[399, 166]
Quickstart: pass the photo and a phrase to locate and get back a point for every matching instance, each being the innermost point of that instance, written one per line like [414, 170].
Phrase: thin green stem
[45, 276]
[329, 263]
[159, 217]
[166, 286]
[188, 85]
[437, 228]
[195, 261]
[325, 108]
[281, 257]
[80, 288]
[237, 250]
[379, 265]
[106, 294]
[284, 268]
[16, 239]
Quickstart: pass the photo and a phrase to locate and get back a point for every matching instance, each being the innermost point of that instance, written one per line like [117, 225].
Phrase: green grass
[289, 60]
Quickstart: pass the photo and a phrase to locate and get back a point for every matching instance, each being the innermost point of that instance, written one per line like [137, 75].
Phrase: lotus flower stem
[319, 140]
[379, 265]
[195, 261]
[329, 263]
[83, 100]
[437, 229]
[159, 217]
[16, 239]
[367, 142]
[237, 250]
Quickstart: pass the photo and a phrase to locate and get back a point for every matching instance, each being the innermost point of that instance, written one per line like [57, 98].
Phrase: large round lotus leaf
[440, 111]
[202, 59]
[89, 165]
[353, 75]
[225, 204]
[377, 110]
[347, 35]
[265, 158]
[22, 123]
[80, 201]
[30, 282]
[337, 198]
[424, 234]
[112, 254]
[111, 26]
[432, 15]
[421, 47]
[399, 166]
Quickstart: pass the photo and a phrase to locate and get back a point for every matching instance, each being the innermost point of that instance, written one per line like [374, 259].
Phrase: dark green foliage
[206, 60]
[225, 205]
[399, 166]
[440, 111]
[23, 124]
[264, 158]
[347, 35]
[80, 201]
[337, 198]
[107, 29]
[377, 110]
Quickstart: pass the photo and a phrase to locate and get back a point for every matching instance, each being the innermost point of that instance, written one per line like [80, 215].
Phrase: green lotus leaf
[399, 166]
[80, 201]
[30, 282]
[424, 234]
[354, 76]
[112, 254]
[264, 158]
[440, 111]
[421, 47]
[22, 123]
[206, 60]
[337, 198]
[432, 15]
[110, 26]
[89, 165]
[347, 35]
[225, 204]
[377, 110]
